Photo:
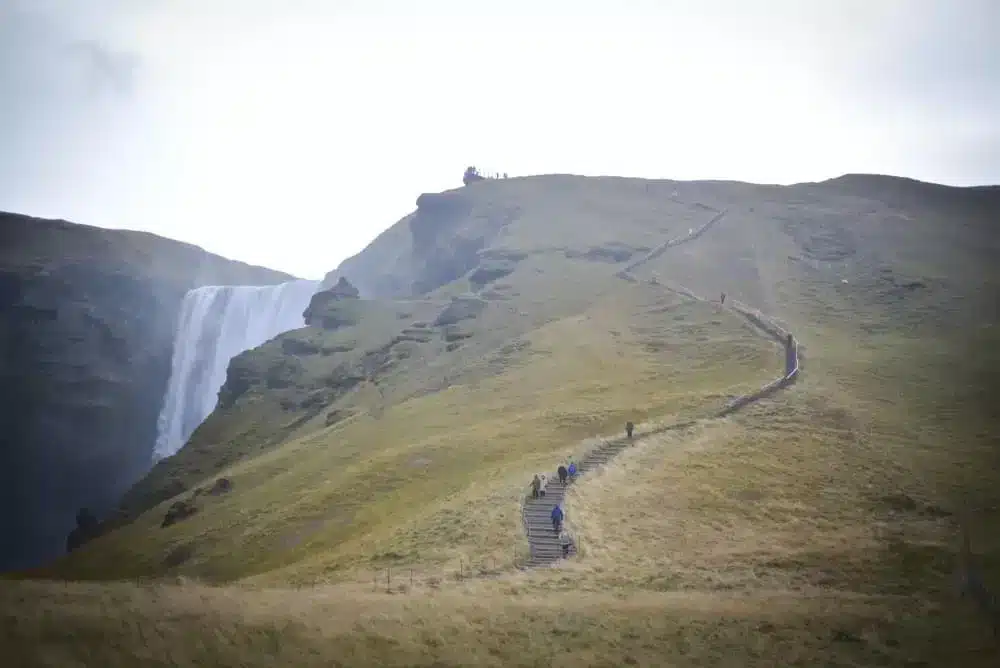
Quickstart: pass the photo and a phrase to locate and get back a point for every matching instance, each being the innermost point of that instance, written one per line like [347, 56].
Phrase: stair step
[548, 549]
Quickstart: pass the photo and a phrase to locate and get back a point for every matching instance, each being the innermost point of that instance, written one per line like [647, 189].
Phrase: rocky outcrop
[462, 307]
[319, 310]
[86, 529]
[179, 510]
[87, 319]
[221, 486]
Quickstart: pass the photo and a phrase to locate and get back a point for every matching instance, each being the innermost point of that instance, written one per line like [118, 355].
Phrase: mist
[290, 134]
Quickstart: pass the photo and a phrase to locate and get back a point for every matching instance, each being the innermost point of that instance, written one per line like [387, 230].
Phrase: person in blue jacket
[572, 470]
[557, 518]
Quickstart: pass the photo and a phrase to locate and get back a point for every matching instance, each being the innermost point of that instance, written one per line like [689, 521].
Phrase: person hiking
[565, 541]
[723, 299]
[563, 474]
[557, 518]
[572, 470]
[536, 485]
[628, 429]
[544, 483]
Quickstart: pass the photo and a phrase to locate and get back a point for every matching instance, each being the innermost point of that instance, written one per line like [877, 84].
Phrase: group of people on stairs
[565, 473]
[541, 481]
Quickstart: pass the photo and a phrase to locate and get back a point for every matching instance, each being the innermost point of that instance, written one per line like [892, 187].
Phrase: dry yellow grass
[814, 528]
[118, 625]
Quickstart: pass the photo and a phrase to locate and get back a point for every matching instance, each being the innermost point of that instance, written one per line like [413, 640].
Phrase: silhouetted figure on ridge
[471, 175]
[628, 429]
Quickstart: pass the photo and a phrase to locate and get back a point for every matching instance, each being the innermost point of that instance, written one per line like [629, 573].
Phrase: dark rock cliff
[316, 312]
[87, 320]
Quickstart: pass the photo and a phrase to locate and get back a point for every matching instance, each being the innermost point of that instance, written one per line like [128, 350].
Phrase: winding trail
[535, 513]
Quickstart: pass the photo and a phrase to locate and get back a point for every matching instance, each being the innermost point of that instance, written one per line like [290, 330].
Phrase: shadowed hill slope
[87, 320]
[492, 335]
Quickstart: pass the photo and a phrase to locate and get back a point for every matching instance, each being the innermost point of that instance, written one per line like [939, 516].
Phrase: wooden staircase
[543, 541]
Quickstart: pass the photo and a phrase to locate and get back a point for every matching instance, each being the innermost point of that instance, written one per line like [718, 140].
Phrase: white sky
[289, 133]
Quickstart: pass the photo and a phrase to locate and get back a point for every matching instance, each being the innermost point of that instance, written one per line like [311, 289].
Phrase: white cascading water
[216, 324]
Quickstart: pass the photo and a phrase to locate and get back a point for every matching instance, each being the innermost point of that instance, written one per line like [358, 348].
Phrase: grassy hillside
[817, 527]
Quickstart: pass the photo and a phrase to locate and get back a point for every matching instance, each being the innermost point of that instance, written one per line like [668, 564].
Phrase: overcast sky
[289, 133]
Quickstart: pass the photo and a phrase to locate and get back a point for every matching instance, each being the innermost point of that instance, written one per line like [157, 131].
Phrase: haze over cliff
[87, 322]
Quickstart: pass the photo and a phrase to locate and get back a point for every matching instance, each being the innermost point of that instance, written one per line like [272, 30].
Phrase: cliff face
[439, 242]
[87, 320]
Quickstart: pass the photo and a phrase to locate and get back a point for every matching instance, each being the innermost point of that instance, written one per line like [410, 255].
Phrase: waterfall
[217, 323]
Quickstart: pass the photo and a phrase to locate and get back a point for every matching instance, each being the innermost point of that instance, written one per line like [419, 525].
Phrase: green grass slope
[817, 527]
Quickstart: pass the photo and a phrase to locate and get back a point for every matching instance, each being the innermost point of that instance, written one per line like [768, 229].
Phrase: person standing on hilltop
[722, 300]
[628, 429]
